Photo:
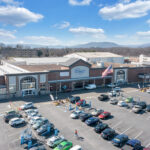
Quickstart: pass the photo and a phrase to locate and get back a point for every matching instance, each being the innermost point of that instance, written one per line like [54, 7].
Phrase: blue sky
[71, 22]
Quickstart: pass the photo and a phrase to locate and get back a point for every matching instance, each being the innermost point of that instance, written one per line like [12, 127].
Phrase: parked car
[148, 108]
[74, 99]
[11, 112]
[103, 97]
[10, 116]
[65, 145]
[122, 104]
[30, 111]
[81, 102]
[55, 140]
[32, 115]
[76, 147]
[104, 115]
[27, 106]
[129, 100]
[75, 114]
[108, 133]
[38, 147]
[92, 120]
[90, 86]
[84, 116]
[120, 140]
[34, 120]
[133, 144]
[100, 127]
[44, 128]
[112, 93]
[16, 121]
[39, 123]
[117, 89]
[136, 108]
[111, 85]
[114, 101]
[97, 112]
[142, 104]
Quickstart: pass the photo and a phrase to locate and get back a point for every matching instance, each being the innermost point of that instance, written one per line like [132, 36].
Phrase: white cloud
[42, 40]
[80, 2]
[10, 2]
[148, 21]
[135, 9]
[7, 34]
[86, 30]
[120, 36]
[145, 34]
[17, 16]
[63, 25]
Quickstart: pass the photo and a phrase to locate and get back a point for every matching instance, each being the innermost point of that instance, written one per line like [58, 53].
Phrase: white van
[76, 147]
[90, 86]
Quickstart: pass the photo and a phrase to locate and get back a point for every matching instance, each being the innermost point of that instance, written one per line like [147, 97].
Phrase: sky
[73, 22]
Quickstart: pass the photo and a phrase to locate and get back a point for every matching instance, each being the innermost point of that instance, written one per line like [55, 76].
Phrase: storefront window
[120, 76]
[42, 86]
[28, 83]
[2, 91]
[12, 88]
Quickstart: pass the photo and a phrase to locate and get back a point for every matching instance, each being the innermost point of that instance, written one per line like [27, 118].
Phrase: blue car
[133, 144]
[120, 140]
[92, 121]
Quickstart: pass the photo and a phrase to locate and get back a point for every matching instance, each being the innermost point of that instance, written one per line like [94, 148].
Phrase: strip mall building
[32, 76]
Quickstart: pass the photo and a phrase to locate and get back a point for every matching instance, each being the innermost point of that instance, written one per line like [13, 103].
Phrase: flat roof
[37, 61]
[97, 54]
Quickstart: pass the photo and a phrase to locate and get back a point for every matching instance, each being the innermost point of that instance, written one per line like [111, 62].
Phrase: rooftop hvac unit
[100, 64]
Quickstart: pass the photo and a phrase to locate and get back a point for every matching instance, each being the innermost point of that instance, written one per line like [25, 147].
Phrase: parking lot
[123, 121]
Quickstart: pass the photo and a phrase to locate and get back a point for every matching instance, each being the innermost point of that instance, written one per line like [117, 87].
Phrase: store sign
[64, 74]
[80, 72]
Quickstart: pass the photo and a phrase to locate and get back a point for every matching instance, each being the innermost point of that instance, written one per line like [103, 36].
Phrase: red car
[81, 102]
[104, 115]
[147, 148]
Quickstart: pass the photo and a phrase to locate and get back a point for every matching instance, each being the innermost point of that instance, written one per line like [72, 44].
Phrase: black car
[103, 97]
[120, 140]
[92, 121]
[108, 133]
[84, 116]
[11, 116]
[148, 108]
[142, 104]
[74, 99]
[100, 127]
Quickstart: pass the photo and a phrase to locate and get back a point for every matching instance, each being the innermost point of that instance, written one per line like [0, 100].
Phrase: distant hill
[97, 45]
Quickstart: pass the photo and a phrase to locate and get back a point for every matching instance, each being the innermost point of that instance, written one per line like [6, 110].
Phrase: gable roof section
[73, 61]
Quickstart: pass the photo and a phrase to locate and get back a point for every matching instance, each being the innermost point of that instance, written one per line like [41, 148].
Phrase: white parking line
[138, 135]
[126, 130]
[148, 145]
[117, 124]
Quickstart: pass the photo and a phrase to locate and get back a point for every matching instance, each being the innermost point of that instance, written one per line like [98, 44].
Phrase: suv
[27, 106]
[103, 97]
[74, 99]
[120, 140]
[9, 116]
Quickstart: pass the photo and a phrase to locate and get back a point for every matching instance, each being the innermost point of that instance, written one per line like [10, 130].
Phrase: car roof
[76, 147]
[121, 135]
[15, 119]
[133, 142]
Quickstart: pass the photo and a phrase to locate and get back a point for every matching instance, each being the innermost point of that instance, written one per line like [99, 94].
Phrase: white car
[148, 90]
[76, 147]
[112, 93]
[136, 108]
[16, 121]
[32, 115]
[122, 104]
[117, 89]
[111, 85]
[26, 106]
[75, 114]
[90, 86]
[29, 111]
[54, 141]
[34, 120]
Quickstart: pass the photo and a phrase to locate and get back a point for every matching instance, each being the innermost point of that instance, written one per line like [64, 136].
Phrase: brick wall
[133, 73]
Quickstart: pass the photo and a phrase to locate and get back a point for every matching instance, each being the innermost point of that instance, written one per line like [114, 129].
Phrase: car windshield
[60, 146]
[118, 140]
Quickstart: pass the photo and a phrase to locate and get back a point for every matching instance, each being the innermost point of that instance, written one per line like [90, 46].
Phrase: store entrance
[28, 92]
[78, 85]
